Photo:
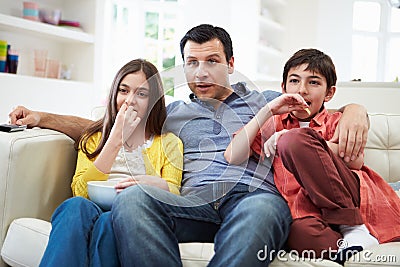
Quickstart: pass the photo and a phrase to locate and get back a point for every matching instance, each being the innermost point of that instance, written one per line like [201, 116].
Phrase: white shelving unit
[11, 23]
[270, 39]
[75, 48]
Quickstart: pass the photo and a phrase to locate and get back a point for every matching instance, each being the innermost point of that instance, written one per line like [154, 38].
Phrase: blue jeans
[81, 235]
[246, 227]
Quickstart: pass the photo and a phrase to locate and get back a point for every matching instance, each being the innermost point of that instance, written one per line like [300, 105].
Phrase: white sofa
[36, 171]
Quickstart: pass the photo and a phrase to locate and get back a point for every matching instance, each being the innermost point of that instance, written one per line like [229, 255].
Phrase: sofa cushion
[383, 255]
[27, 239]
[382, 151]
[25, 189]
[25, 242]
[31, 235]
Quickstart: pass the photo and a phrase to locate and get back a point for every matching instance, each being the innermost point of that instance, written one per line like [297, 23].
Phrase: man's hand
[70, 125]
[352, 132]
[23, 116]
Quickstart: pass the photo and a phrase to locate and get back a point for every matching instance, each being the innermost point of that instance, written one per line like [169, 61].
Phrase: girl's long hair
[156, 113]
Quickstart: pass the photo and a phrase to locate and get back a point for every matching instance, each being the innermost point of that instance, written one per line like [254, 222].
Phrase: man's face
[207, 71]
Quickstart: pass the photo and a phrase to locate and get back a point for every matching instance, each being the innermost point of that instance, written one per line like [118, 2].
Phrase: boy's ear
[330, 93]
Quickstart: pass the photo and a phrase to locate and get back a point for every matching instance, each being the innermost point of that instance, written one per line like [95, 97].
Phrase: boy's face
[311, 86]
[206, 69]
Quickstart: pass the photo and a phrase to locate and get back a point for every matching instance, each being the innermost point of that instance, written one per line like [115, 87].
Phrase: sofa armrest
[382, 152]
[36, 168]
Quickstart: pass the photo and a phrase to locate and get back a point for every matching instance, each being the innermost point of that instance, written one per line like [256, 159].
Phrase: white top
[129, 163]
[304, 124]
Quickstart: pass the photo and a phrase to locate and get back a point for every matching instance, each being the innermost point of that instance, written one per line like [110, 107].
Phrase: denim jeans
[246, 227]
[81, 235]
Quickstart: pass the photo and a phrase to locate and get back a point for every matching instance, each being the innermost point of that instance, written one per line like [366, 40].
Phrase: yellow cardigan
[164, 158]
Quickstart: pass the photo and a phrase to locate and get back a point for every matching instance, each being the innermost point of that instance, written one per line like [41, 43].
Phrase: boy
[329, 199]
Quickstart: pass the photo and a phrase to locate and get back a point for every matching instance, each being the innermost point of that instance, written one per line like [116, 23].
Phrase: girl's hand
[125, 183]
[270, 144]
[287, 103]
[130, 122]
[142, 179]
[124, 125]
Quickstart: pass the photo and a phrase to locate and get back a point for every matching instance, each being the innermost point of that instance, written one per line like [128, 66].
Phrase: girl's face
[311, 86]
[134, 90]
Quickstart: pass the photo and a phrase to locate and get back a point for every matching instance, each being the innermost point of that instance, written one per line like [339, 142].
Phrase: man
[237, 208]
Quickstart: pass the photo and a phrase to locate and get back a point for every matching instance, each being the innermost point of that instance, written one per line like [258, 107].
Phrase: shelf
[40, 29]
[8, 78]
[269, 50]
[368, 84]
[270, 39]
[274, 3]
[271, 24]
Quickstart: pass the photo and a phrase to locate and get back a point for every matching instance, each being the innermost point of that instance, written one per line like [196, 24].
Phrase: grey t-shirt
[206, 133]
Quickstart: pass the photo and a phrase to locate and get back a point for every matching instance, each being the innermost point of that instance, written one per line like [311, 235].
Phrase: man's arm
[354, 164]
[70, 125]
[351, 132]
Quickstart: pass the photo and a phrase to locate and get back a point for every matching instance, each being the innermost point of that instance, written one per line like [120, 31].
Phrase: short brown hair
[317, 62]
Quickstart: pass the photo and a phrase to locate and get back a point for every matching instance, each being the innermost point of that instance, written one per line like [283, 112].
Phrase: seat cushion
[25, 242]
[27, 239]
[383, 255]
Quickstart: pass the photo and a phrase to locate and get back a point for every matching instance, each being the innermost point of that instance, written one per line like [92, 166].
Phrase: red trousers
[330, 186]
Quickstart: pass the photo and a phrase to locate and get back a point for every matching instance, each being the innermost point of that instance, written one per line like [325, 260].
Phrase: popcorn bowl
[102, 193]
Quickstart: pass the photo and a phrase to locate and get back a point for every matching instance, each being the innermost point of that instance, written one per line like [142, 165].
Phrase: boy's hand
[287, 103]
[270, 144]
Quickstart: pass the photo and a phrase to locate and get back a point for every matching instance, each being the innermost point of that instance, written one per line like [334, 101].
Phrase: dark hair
[317, 62]
[206, 32]
[156, 110]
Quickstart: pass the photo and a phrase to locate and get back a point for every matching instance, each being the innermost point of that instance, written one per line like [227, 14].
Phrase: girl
[126, 143]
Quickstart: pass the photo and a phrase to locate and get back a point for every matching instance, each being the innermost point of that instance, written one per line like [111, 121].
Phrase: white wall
[300, 24]
[334, 34]
[238, 17]
[321, 24]
[44, 94]
[376, 97]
